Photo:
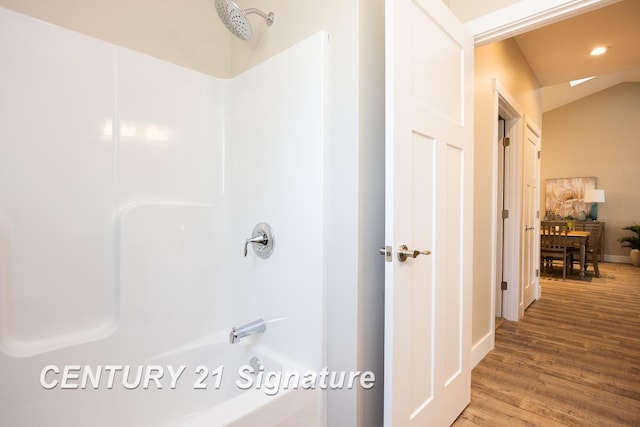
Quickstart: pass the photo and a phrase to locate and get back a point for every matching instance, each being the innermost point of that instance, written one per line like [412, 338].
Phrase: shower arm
[269, 17]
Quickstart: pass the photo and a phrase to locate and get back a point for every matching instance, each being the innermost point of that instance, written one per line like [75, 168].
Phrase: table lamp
[594, 197]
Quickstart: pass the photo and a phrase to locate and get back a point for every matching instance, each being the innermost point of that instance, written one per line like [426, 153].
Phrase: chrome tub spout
[255, 327]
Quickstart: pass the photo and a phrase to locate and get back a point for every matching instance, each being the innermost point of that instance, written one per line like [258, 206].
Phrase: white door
[531, 238]
[429, 177]
[503, 203]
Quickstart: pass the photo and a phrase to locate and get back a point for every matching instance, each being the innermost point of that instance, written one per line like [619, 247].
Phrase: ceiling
[185, 33]
[559, 52]
[193, 37]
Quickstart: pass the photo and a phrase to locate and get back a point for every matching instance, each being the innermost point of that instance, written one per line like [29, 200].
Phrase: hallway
[572, 360]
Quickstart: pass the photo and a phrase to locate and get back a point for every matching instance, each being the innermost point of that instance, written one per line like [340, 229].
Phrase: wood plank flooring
[572, 360]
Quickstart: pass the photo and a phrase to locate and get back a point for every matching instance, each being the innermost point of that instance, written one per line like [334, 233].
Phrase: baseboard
[481, 349]
[617, 258]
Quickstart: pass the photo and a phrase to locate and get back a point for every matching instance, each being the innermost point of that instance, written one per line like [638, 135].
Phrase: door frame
[527, 15]
[518, 18]
[501, 200]
[506, 106]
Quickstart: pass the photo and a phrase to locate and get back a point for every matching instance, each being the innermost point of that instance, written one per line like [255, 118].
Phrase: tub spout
[255, 327]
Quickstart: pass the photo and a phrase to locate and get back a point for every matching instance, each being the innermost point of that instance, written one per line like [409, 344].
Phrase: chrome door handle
[529, 228]
[404, 253]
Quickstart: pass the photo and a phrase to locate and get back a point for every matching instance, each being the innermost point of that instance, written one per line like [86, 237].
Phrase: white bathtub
[222, 403]
[243, 401]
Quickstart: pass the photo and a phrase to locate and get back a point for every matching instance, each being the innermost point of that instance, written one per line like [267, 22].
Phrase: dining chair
[592, 251]
[553, 245]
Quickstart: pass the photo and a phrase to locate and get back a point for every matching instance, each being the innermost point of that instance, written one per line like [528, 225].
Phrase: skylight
[578, 81]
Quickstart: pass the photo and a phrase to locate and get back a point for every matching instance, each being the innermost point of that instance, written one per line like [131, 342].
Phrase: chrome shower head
[235, 19]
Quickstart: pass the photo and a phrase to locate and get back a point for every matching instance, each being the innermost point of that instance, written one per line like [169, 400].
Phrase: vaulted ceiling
[559, 52]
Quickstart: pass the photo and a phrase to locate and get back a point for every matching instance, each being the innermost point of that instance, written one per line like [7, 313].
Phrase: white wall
[274, 169]
[52, 132]
[88, 128]
[371, 210]
[466, 10]
[85, 280]
[353, 177]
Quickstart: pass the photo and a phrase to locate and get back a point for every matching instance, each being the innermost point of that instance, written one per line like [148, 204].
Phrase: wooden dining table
[579, 239]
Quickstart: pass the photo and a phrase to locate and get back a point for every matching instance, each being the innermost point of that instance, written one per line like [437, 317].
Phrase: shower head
[235, 19]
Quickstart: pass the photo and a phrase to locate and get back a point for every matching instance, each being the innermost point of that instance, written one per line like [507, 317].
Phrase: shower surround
[128, 186]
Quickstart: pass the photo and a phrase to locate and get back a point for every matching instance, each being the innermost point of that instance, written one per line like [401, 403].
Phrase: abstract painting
[565, 196]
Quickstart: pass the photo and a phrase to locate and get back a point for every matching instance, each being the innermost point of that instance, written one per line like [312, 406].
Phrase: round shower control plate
[264, 250]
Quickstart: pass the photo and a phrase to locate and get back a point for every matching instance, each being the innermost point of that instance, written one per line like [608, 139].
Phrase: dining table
[579, 239]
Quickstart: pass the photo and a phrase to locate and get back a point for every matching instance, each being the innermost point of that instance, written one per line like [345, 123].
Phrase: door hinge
[505, 141]
[538, 214]
[538, 155]
[505, 213]
[503, 285]
[537, 272]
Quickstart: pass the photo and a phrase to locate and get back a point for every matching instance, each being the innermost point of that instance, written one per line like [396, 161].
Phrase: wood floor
[572, 360]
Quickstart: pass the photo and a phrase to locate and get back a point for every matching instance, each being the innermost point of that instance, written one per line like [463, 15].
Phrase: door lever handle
[529, 228]
[404, 253]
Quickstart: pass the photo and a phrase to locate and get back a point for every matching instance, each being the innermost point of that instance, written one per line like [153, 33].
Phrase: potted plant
[570, 222]
[632, 242]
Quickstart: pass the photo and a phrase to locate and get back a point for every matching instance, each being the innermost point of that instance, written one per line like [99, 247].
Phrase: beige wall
[294, 21]
[503, 61]
[599, 136]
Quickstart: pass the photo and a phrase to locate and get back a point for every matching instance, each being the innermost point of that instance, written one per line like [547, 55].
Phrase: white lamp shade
[593, 196]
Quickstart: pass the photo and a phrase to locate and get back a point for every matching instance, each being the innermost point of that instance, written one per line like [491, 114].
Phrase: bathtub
[247, 400]
[216, 387]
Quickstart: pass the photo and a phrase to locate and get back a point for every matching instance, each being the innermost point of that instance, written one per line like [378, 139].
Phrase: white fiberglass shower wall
[127, 188]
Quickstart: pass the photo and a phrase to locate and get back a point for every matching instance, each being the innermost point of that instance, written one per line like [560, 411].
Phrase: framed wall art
[565, 197]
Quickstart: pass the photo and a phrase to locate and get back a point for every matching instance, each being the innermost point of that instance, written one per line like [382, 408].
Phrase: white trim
[537, 131]
[535, 128]
[506, 104]
[495, 167]
[527, 15]
[618, 258]
[531, 124]
[515, 308]
[482, 348]
[512, 108]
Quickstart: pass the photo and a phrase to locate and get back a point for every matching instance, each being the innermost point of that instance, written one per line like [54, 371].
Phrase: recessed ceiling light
[598, 50]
